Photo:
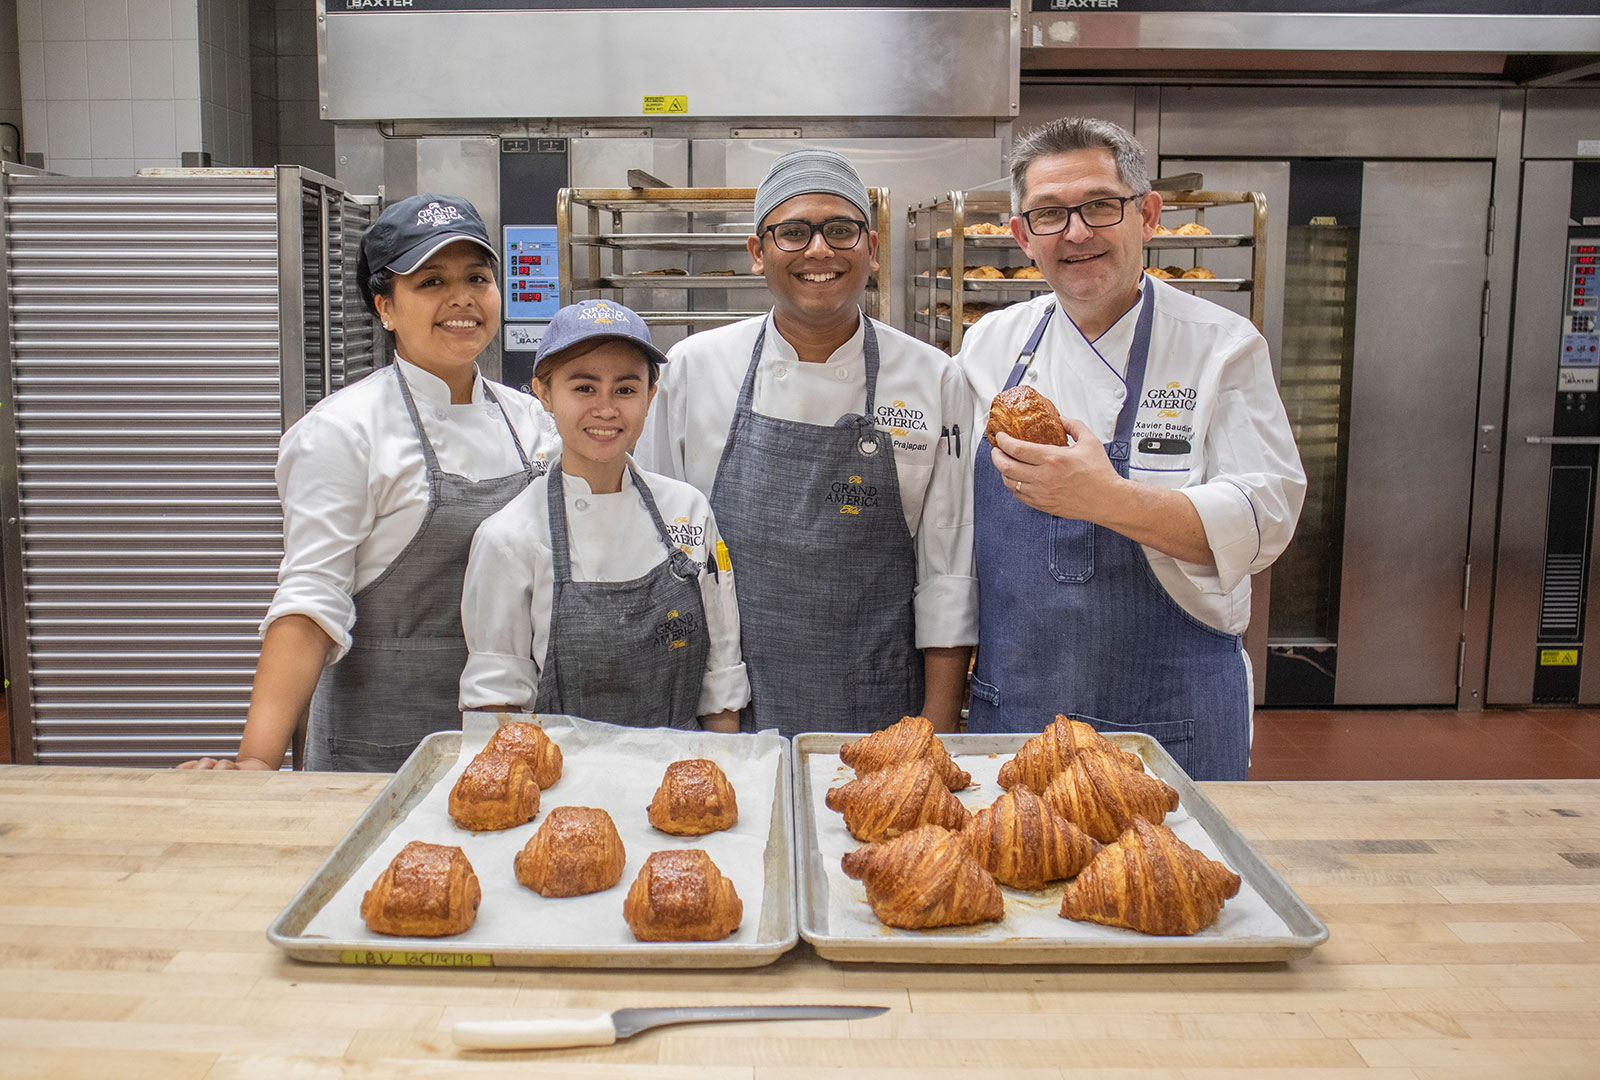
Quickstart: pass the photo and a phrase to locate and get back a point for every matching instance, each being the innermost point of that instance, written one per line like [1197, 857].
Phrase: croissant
[682, 896]
[576, 851]
[1157, 272]
[1152, 882]
[1102, 798]
[428, 890]
[530, 742]
[694, 798]
[1191, 228]
[910, 738]
[1025, 844]
[1048, 753]
[884, 804]
[925, 878]
[1199, 272]
[494, 791]
[1024, 413]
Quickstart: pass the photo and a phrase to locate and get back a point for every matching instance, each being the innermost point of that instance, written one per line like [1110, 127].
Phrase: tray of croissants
[554, 841]
[1070, 846]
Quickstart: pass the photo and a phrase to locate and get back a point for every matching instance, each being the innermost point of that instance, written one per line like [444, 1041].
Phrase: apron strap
[869, 348]
[527, 466]
[683, 567]
[1025, 357]
[1138, 354]
[428, 455]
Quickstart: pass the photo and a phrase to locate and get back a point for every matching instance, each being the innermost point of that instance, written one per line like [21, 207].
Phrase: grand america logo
[438, 215]
[901, 419]
[1171, 399]
[674, 631]
[853, 495]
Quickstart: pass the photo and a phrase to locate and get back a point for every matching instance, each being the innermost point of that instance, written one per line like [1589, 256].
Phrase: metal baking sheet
[1077, 943]
[775, 932]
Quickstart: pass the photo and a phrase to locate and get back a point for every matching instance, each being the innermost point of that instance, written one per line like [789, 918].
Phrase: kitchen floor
[1394, 744]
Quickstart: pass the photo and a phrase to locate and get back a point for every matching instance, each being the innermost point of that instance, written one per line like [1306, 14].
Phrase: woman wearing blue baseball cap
[383, 484]
[603, 591]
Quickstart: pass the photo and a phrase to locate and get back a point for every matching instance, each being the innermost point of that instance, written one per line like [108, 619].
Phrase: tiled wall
[224, 51]
[10, 75]
[109, 86]
[283, 82]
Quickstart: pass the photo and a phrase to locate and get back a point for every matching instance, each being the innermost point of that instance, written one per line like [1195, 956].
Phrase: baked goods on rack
[694, 798]
[576, 851]
[1162, 230]
[983, 228]
[1192, 228]
[1157, 272]
[884, 804]
[495, 791]
[1024, 413]
[666, 271]
[1102, 796]
[529, 742]
[427, 890]
[923, 879]
[1199, 272]
[1032, 273]
[1152, 882]
[1025, 844]
[1042, 758]
[1173, 271]
[908, 739]
[682, 896]
[984, 273]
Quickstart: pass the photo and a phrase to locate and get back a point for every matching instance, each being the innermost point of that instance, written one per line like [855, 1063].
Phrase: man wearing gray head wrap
[830, 447]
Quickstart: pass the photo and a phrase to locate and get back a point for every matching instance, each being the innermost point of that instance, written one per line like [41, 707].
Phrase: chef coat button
[582, 504]
[841, 373]
[780, 373]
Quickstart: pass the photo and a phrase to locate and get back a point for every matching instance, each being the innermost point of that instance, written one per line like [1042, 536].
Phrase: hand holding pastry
[1024, 413]
[1072, 481]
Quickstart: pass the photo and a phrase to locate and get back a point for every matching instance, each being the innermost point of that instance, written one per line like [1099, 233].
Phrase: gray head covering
[810, 172]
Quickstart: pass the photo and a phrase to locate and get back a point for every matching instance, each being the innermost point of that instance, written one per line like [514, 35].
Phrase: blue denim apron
[827, 569]
[1073, 620]
[624, 652]
[401, 679]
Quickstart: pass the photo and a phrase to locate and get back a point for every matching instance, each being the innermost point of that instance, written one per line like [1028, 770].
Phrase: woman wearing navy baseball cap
[383, 484]
[602, 590]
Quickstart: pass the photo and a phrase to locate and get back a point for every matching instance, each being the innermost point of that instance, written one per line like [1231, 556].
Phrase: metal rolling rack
[929, 252]
[614, 281]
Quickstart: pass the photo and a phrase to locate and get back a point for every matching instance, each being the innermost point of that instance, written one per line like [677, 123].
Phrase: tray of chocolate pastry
[552, 841]
[1069, 847]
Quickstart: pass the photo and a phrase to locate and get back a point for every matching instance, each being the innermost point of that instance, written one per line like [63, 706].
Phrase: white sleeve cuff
[946, 610]
[498, 679]
[336, 630]
[1232, 531]
[724, 688]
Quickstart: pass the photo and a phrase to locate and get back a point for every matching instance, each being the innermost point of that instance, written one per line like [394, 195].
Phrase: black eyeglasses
[841, 234]
[1097, 214]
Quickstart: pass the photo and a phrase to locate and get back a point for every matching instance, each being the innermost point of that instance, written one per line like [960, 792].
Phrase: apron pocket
[1071, 550]
[1175, 736]
[981, 689]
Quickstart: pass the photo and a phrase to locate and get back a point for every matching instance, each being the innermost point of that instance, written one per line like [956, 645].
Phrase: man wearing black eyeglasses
[1114, 572]
[830, 447]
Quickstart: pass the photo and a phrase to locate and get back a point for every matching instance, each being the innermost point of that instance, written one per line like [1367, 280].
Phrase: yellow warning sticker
[400, 958]
[666, 103]
[724, 563]
[1558, 657]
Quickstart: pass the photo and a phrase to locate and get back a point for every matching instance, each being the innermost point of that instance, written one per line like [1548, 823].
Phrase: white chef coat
[921, 395]
[354, 485]
[505, 604]
[1208, 381]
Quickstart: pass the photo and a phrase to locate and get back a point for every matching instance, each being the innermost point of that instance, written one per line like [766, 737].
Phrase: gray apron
[827, 569]
[624, 652]
[401, 679]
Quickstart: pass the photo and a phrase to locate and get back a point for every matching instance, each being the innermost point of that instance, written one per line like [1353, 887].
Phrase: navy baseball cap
[410, 231]
[589, 319]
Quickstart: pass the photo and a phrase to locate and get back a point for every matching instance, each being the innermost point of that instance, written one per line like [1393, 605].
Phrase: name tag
[1164, 446]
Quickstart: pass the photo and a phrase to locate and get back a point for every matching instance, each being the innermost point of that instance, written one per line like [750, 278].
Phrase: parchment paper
[614, 768]
[1028, 914]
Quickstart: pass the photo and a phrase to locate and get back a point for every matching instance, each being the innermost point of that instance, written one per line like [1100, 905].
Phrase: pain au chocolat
[694, 798]
[427, 890]
[494, 791]
[682, 896]
[528, 741]
[1024, 413]
[576, 851]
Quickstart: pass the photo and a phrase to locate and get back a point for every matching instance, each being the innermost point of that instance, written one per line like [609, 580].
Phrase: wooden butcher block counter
[1465, 922]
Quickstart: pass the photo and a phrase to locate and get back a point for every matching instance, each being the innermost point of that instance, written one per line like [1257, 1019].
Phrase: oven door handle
[1564, 440]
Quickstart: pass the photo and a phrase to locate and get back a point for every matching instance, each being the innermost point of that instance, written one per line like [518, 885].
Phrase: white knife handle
[552, 1031]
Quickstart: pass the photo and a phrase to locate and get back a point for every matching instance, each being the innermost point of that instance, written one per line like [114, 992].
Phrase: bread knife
[603, 1029]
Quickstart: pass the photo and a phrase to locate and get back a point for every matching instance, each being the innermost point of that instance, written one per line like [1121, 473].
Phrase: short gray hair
[1070, 133]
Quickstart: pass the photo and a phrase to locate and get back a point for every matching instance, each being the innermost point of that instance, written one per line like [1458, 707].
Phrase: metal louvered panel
[145, 392]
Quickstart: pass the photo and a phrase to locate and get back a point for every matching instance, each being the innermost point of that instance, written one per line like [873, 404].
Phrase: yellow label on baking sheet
[666, 103]
[407, 958]
[1558, 657]
[724, 563]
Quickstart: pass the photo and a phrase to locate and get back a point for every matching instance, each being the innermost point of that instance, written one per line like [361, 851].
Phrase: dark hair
[547, 364]
[1070, 133]
[381, 283]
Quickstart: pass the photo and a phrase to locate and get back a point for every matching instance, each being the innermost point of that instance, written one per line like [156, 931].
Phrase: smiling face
[599, 399]
[446, 311]
[817, 288]
[1096, 273]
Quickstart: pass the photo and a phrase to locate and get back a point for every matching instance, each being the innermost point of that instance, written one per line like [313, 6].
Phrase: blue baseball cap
[590, 319]
[410, 231]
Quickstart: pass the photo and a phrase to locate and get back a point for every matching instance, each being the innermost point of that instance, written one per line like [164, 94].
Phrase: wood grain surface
[1465, 921]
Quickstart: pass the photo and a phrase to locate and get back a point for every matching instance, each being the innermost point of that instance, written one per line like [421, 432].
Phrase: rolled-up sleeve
[1254, 483]
[946, 601]
[497, 605]
[329, 508]
[726, 684]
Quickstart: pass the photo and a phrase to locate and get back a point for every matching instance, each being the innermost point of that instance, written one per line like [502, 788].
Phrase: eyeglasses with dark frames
[1096, 213]
[840, 233]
